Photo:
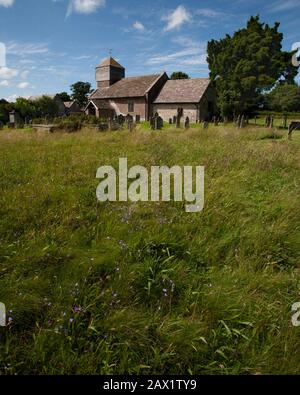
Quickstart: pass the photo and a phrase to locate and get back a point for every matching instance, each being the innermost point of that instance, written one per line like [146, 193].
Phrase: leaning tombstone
[170, 121]
[242, 121]
[174, 119]
[187, 123]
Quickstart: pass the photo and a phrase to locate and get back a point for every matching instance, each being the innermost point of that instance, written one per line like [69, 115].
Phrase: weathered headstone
[187, 123]
[129, 118]
[137, 118]
[205, 125]
[120, 119]
[174, 119]
[170, 121]
[242, 121]
[159, 123]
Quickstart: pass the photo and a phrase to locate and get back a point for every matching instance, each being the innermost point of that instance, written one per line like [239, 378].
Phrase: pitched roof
[183, 91]
[68, 104]
[110, 62]
[127, 87]
[101, 104]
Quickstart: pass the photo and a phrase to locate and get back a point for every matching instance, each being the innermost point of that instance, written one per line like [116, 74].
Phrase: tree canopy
[284, 98]
[247, 64]
[80, 92]
[64, 96]
[179, 75]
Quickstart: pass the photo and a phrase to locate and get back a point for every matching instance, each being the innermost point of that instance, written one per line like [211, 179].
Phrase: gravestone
[205, 125]
[129, 118]
[121, 119]
[170, 121]
[268, 121]
[174, 119]
[159, 123]
[187, 123]
[137, 118]
[242, 122]
[131, 126]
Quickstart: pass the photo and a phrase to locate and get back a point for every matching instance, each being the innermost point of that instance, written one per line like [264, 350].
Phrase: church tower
[109, 72]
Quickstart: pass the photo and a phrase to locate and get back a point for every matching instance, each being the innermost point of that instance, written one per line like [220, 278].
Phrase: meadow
[146, 288]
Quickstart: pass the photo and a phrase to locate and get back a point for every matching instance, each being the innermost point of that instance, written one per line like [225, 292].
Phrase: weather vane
[110, 52]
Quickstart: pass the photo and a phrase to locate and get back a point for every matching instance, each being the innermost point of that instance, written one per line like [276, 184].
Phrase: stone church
[143, 96]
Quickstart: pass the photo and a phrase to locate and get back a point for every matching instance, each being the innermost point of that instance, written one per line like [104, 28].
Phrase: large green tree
[179, 75]
[247, 64]
[5, 108]
[285, 97]
[26, 108]
[80, 92]
[64, 96]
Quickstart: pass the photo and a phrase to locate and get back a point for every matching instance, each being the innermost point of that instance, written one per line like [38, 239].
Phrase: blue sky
[52, 43]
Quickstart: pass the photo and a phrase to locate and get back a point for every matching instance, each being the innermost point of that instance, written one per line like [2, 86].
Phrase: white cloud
[139, 26]
[6, 3]
[84, 6]
[284, 5]
[23, 85]
[23, 49]
[12, 98]
[207, 12]
[177, 18]
[4, 83]
[7, 73]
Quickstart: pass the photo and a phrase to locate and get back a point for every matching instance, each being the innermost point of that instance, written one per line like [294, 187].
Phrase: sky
[51, 44]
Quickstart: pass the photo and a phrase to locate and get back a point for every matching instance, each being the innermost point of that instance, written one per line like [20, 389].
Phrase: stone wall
[140, 107]
[167, 111]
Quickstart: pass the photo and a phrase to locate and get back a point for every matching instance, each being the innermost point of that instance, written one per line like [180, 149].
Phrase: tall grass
[138, 288]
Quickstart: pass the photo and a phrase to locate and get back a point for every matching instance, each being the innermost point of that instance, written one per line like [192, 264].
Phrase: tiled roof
[102, 104]
[183, 91]
[110, 62]
[127, 87]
